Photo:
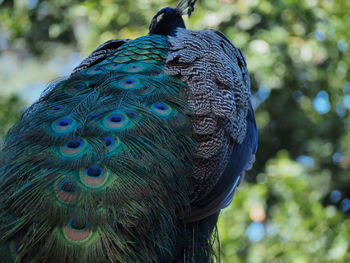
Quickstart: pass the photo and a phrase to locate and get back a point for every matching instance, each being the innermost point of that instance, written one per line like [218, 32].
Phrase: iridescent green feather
[99, 163]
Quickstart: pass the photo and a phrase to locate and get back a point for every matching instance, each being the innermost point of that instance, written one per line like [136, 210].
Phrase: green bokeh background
[294, 204]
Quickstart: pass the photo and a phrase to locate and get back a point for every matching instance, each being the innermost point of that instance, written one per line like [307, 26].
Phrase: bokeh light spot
[255, 231]
[321, 103]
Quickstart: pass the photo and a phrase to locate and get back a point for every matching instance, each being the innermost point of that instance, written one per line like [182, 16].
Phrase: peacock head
[168, 19]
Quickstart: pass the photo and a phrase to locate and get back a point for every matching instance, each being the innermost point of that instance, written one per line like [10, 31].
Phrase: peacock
[131, 157]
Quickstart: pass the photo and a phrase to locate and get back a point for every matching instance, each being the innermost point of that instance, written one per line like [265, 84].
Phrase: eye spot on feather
[74, 148]
[56, 109]
[67, 190]
[114, 66]
[77, 229]
[78, 223]
[76, 87]
[68, 186]
[74, 144]
[116, 121]
[93, 176]
[93, 171]
[116, 118]
[128, 83]
[134, 68]
[111, 143]
[161, 108]
[108, 141]
[64, 125]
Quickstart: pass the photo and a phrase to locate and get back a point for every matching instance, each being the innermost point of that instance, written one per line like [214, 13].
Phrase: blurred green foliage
[294, 205]
[297, 227]
[9, 112]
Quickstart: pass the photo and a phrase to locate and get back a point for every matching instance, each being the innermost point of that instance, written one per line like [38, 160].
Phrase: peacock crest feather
[124, 160]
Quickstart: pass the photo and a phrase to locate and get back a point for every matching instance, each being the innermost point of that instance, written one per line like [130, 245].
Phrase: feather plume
[186, 7]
